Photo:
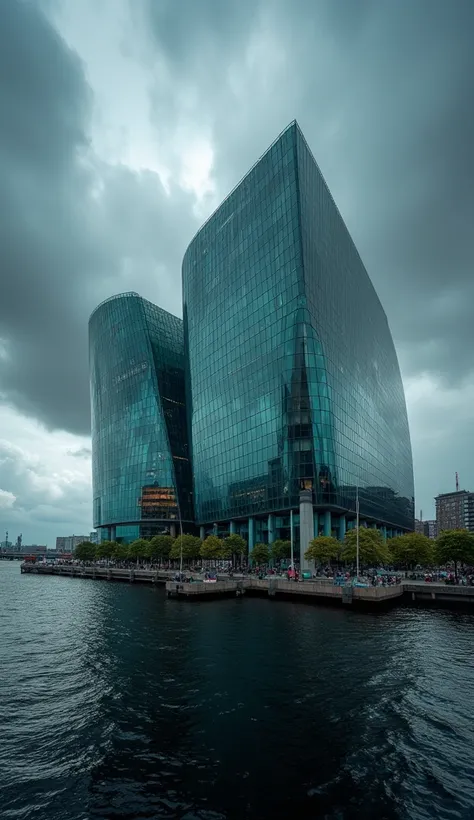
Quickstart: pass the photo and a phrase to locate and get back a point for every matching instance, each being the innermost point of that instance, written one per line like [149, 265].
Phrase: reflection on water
[116, 702]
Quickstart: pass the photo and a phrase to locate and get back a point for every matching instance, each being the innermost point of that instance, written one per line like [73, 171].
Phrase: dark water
[117, 703]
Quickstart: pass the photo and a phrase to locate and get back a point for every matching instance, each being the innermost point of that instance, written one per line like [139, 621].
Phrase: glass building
[140, 460]
[294, 395]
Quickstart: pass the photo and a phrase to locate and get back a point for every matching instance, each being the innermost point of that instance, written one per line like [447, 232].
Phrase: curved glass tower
[140, 461]
[294, 395]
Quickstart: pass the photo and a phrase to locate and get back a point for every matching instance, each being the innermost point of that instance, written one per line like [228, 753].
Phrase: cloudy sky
[123, 123]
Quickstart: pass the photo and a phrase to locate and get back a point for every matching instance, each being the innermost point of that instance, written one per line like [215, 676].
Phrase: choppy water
[118, 703]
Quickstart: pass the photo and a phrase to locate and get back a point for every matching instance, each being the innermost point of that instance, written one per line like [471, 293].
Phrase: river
[116, 702]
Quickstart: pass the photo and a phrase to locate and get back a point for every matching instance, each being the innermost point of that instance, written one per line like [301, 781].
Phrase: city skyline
[117, 146]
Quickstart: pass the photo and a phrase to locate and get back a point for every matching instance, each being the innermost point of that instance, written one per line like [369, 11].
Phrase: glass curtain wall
[140, 457]
[292, 376]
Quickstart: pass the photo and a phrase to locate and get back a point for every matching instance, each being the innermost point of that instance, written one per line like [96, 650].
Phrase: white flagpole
[291, 539]
[357, 533]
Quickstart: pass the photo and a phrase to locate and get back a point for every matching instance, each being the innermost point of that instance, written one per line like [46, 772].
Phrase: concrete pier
[437, 593]
[278, 587]
[130, 574]
[273, 586]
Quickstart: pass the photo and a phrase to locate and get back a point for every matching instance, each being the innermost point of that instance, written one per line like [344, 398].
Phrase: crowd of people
[374, 577]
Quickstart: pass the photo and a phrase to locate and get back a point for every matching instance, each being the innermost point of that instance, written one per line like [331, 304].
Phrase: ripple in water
[118, 703]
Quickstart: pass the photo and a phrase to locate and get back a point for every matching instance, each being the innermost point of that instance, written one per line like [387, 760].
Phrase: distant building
[455, 511]
[431, 528]
[94, 537]
[428, 528]
[26, 549]
[68, 543]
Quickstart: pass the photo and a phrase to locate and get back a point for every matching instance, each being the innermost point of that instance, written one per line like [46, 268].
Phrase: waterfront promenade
[274, 587]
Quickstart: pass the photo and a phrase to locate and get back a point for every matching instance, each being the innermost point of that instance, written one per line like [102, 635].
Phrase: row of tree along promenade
[452, 548]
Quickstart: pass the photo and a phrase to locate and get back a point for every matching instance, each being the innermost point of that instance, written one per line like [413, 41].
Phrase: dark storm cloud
[383, 92]
[72, 230]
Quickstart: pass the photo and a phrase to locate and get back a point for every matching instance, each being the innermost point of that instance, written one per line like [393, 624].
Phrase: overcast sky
[123, 123]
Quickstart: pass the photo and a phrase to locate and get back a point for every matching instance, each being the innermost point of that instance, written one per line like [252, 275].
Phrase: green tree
[373, 550]
[139, 549]
[160, 546]
[85, 551]
[411, 549]
[455, 546]
[211, 547]
[105, 549]
[235, 546]
[225, 552]
[190, 545]
[280, 550]
[120, 552]
[260, 554]
[323, 549]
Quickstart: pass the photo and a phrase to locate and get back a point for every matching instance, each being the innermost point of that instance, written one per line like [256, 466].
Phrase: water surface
[116, 702]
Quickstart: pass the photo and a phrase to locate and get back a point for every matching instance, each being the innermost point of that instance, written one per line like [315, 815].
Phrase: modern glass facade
[293, 381]
[140, 459]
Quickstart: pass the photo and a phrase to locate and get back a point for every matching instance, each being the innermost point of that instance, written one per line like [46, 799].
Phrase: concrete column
[271, 528]
[373, 525]
[173, 530]
[327, 522]
[363, 524]
[306, 525]
[202, 532]
[233, 528]
[384, 533]
[251, 536]
[389, 533]
[342, 527]
[113, 532]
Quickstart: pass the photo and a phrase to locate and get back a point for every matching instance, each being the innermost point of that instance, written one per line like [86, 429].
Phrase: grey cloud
[82, 452]
[37, 503]
[73, 230]
[215, 25]
[24, 477]
[384, 95]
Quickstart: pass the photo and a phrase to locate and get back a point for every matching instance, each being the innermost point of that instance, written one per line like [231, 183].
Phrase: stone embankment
[273, 587]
